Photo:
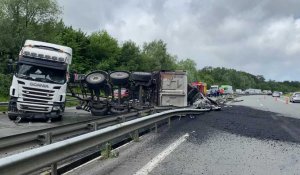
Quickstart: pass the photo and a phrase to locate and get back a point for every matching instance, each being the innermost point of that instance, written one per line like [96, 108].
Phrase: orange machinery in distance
[201, 86]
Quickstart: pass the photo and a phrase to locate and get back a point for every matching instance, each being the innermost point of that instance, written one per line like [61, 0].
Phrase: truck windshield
[43, 74]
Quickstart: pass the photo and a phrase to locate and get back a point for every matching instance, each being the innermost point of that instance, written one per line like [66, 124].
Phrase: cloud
[258, 36]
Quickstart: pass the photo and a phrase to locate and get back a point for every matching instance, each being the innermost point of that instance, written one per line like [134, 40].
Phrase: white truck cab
[214, 89]
[38, 88]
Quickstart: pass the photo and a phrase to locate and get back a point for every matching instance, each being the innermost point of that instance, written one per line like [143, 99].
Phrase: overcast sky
[256, 36]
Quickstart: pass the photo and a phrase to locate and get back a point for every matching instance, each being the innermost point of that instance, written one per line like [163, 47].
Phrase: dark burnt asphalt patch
[239, 120]
[253, 123]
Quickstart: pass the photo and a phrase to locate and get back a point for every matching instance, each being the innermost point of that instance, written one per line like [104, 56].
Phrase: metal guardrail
[38, 137]
[3, 103]
[38, 158]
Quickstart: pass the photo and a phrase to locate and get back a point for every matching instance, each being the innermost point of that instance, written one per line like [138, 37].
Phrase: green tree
[156, 57]
[104, 51]
[24, 19]
[78, 41]
[130, 57]
[189, 65]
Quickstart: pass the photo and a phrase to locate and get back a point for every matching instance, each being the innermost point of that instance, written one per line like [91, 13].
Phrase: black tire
[192, 93]
[12, 117]
[59, 118]
[99, 112]
[118, 110]
[141, 76]
[12, 106]
[96, 79]
[119, 78]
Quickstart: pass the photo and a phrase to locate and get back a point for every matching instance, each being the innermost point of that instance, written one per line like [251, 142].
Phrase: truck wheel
[12, 117]
[192, 93]
[118, 110]
[12, 106]
[99, 112]
[141, 76]
[95, 79]
[119, 78]
[58, 118]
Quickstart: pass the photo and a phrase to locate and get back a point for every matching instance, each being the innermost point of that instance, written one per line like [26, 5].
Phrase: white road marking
[161, 156]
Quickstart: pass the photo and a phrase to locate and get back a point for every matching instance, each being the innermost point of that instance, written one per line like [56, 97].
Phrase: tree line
[41, 20]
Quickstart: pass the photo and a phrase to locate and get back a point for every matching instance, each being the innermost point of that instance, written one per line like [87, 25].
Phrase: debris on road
[227, 99]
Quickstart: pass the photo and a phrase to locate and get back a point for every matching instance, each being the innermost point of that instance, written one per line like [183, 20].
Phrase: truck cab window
[43, 74]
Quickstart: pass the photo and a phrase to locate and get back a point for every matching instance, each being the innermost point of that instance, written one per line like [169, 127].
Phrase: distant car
[227, 89]
[238, 91]
[295, 97]
[276, 94]
[269, 92]
[265, 91]
[250, 91]
[208, 92]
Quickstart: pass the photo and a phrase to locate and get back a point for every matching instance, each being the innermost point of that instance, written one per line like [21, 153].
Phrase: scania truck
[39, 84]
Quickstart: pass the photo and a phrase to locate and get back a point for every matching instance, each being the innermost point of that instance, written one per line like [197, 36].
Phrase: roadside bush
[5, 81]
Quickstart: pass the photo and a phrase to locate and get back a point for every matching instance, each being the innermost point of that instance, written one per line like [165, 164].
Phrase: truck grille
[34, 108]
[37, 95]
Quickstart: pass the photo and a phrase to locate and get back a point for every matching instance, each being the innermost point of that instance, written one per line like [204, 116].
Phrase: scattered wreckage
[118, 92]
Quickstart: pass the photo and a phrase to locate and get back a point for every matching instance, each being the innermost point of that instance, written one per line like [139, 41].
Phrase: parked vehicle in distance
[265, 91]
[295, 97]
[201, 86]
[208, 92]
[227, 89]
[238, 91]
[214, 90]
[250, 91]
[276, 94]
[257, 91]
[269, 92]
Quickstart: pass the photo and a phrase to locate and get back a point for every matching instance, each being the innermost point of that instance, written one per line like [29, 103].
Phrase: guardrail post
[139, 114]
[48, 140]
[156, 127]
[123, 119]
[153, 111]
[93, 126]
[135, 135]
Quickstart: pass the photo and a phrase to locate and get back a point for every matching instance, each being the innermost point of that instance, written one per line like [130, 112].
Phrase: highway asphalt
[8, 127]
[268, 103]
[256, 136]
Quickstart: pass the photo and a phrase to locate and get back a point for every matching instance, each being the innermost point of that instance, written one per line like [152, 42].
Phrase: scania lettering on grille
[39, 85]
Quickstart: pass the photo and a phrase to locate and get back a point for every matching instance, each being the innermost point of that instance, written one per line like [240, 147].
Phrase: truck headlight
[56, 108]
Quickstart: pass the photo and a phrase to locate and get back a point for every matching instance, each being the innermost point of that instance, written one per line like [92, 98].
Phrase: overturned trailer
[117, 92]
